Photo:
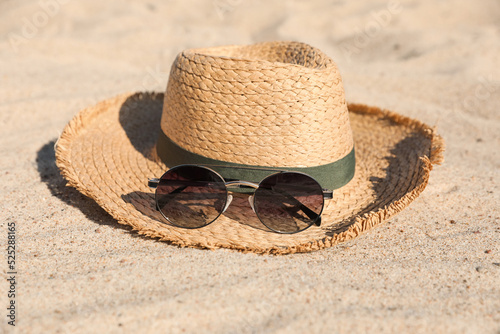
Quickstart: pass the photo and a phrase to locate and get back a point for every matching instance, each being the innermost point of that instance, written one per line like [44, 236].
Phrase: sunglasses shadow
[239, 210]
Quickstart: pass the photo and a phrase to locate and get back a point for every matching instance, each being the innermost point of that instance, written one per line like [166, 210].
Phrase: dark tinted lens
[288, 202]
[191, 196]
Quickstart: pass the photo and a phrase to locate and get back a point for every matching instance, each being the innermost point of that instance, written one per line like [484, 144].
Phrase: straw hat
[275, 104]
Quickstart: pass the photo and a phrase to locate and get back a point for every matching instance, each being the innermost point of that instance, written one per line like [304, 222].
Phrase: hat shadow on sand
[134, 124]
[51, 176]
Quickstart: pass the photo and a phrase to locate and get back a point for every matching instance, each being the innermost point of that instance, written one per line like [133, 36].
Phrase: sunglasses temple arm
[309, 213]
[153, 183]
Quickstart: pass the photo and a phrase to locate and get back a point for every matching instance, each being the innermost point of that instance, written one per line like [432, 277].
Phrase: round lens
[288, 202]
[191, 196]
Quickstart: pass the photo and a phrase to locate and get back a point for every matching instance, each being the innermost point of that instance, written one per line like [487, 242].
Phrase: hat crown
[276, 104]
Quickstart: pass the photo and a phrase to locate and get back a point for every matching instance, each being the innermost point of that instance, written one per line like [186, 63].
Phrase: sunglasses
[193, 196]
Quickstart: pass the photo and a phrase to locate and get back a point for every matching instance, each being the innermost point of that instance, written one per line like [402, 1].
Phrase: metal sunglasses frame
[327, 194]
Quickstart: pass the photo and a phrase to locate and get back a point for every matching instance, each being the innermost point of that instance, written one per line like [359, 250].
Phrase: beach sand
[434, 268]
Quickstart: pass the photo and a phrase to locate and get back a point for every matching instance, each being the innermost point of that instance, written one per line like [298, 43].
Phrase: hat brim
[105, 152]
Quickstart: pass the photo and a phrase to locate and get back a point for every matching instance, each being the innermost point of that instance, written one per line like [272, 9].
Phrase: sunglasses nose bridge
[242, 183]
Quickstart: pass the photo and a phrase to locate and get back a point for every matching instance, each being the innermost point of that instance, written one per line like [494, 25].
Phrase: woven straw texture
[243, 104]
[105, 153]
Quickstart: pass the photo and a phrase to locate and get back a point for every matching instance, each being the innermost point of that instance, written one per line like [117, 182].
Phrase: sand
[435, 268]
